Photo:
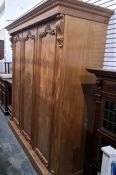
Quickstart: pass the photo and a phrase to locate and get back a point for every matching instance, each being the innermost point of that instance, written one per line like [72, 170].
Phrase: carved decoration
[42, 158]
[99, 83]
[60, 33]
[47, 31]
[98, 96]
[15, 39]
[11, 40]
[14, 119]
[29, 36]
[26, 136]
[60, 16]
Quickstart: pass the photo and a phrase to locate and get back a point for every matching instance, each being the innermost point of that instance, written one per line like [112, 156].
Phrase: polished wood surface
[50, 83]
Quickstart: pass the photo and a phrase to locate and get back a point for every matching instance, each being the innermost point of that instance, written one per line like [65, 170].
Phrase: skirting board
[37, 164]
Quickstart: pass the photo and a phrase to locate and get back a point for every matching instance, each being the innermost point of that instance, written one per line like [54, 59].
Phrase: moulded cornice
[109, 73]
[52, 8]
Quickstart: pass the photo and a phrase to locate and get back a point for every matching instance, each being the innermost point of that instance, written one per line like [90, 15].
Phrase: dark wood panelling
[9, 95]
[104, 130]
[5, 92]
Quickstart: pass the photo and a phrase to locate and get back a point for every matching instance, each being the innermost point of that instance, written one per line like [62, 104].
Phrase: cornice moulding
[52, 8]
[103, 72]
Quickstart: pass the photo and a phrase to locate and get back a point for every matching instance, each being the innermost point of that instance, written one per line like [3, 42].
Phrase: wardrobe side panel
[83, 47]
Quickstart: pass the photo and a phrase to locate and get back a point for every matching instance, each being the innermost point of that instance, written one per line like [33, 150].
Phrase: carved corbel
[47, 31]
[11, 39]
[98, 95]
[60, 32]
[17, 38]
[99, 83]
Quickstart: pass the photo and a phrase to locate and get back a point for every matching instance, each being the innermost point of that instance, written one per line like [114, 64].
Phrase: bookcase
[5, 92]
[104, 132]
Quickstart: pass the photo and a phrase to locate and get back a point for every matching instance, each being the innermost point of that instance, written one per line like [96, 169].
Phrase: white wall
[13, 10]
[2, 22]
[110, 50]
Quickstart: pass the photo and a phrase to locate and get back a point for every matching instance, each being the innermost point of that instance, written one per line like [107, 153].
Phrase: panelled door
[45, 89]
[16, 77]
[27, 82]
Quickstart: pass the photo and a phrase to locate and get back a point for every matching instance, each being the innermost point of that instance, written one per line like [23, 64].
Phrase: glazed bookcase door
[107, 127]
[108, 118]
[17, 40]
[27, 82]
[45, 91]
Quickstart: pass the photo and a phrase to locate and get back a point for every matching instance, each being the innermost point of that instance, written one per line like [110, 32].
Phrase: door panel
[16, 78]
[45, 91]
[27, 82]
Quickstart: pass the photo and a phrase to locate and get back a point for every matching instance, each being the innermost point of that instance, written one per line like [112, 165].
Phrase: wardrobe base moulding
[39, 167]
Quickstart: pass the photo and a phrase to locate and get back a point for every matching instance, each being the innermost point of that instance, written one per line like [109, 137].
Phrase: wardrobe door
[17, 44]
[27, 82]
[45, 86]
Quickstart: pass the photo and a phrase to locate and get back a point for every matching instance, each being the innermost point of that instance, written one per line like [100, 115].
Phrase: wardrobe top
[52, 8]
[103, 73]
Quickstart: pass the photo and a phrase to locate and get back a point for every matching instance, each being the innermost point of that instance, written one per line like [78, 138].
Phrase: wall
[110, 50]
[16, 8]
[2, 30]
[12, 10]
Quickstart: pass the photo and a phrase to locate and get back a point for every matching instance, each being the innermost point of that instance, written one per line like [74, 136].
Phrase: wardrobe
[53, 44]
